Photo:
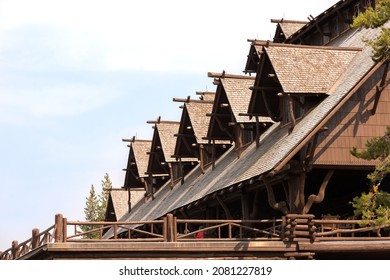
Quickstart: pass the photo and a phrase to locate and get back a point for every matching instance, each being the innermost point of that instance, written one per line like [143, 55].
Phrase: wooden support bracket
[321, 193]
[281, 206]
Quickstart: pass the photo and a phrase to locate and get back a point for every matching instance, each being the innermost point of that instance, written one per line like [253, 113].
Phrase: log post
[174, 229]
[165, 229]
[35, 238]
[64, 229]
[58, 228]
[170, 228]
[15, 249]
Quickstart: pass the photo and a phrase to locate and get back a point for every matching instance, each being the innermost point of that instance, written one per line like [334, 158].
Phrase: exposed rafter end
[155, 122]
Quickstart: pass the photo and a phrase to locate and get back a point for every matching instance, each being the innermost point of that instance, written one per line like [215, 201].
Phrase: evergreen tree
[91, 212]
[96, 206]
[103, 197]
[374, 207]
[373, 18]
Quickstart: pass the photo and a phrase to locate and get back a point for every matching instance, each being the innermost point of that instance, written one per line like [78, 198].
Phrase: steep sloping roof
[120, 204]
[290, 27]
[141, 149]
[285, 144]
[308, 69]
[166, 131]
[239, 95]
[197, 112]
[276, 145]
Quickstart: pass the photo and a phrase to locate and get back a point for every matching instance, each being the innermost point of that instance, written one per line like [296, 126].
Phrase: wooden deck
[292, 237]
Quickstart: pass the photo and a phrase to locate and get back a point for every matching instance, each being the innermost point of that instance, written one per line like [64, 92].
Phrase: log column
[35, 238]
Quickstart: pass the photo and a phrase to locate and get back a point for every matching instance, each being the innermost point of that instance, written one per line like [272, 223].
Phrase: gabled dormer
[193, 127]
[135, 179]
[229, 120]
[286, 28]
[292, 79]
[191, 138]
[330, 24]
[162, 166]
[253, 58]
[137, 163]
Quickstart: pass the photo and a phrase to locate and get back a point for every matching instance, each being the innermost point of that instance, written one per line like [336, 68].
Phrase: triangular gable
[307, 69]
[231, 101]
[163, 144]
[286, 28]
[253, 59]
[296, 70]
[140, 150]
[117, 204]
[193, 128]
[137, 163]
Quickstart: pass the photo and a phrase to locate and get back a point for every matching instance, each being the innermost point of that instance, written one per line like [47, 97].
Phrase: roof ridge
[159, 121]
[231, 76]
[189, 100]
[282, 20]
[132, 140]
[267, 43]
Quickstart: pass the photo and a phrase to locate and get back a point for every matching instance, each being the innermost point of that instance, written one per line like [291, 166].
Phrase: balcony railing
[170, 229]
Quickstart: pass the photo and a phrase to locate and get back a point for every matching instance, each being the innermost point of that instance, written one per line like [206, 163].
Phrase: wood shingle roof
[276, 146]
[239, 94]
[140, 150]
[197, 112]
[307, 69]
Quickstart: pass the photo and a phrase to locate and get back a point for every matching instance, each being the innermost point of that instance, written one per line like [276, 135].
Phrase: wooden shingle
[141, 149]
[307, 69]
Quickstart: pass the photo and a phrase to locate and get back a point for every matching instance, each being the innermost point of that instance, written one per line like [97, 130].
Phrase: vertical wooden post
[170, 228]
[165, 229]
[115, 231]
[64, 229]
[35, 238]
[174, 229]
[58, 228]
[283, 227]
[15, 249]
[213, 154]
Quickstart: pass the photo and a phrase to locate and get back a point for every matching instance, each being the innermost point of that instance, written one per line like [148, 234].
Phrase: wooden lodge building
[263, 163]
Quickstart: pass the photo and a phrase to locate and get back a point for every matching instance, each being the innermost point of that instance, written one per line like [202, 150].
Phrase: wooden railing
[290, 228]
[38, 239]
[270, 229]
[349, 230]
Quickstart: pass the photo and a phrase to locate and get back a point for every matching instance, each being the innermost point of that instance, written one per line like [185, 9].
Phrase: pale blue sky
[78, 76]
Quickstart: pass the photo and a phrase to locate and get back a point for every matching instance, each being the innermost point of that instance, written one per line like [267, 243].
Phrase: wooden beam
[260, 88]
[280, 206]
[224, 75]
[291, 112]
[269, 111]
[321, 193]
